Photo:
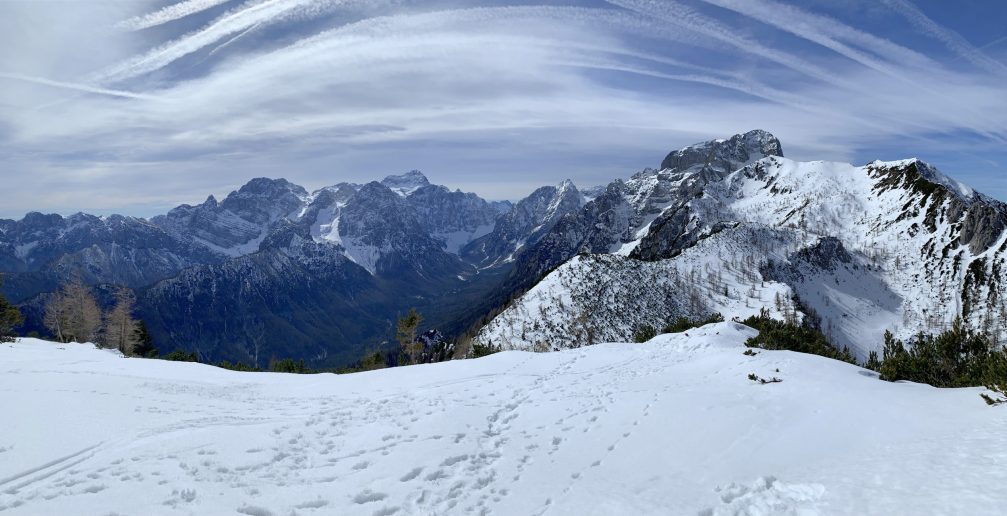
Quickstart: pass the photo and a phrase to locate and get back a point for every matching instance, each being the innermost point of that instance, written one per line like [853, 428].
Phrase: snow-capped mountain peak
[724, 156]
[406, 184]
[892, 245]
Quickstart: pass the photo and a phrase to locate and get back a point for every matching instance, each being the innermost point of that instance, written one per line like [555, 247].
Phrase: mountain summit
[405, 184]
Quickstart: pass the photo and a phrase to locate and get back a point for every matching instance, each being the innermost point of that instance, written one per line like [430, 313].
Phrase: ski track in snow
[668, 427]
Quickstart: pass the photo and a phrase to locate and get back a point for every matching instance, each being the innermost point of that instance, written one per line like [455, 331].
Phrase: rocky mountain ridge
[859, 250]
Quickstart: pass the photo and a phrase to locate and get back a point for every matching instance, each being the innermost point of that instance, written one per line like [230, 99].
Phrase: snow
[326, 229]
[364, 255]
[672, 426]
[902, 274]
[455, 240]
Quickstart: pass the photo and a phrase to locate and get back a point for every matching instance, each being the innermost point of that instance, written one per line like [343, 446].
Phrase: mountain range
[729, 226]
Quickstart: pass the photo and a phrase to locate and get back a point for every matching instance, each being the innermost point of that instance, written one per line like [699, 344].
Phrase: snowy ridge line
[863, 249]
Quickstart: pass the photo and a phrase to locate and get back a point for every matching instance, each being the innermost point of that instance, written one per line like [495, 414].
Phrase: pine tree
[10, 317]
[144, 341]
[120, 326]
[406, 335]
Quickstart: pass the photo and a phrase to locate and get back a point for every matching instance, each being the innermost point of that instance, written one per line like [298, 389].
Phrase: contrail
[827, 32]
[168, 14]
[950, 38]
[76, 86]
[689, 19]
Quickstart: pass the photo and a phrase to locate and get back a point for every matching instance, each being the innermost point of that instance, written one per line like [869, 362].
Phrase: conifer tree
[144, 341]
[406, 335]
[10, 317]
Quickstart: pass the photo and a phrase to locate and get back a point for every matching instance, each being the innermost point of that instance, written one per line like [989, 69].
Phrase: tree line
[73, 315]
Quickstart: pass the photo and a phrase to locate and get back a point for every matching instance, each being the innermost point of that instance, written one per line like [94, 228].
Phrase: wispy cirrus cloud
[950, 38]
[496, 98]
[168, 14]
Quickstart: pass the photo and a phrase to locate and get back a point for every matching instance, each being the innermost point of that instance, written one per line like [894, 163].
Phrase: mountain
[727, 225]
[330, 270]
[40, 251]
[525, 224]
[856, 249]
[235, 226]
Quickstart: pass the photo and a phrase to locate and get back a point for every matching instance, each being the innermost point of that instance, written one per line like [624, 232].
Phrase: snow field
[672, 426]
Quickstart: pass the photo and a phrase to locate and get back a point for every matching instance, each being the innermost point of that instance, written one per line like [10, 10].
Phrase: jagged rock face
[41, 251]
[525, 224]
[721, 157]
[894, 245]
[342, 262]
[455, 218]
[644, 216]
[381, 232]
[406, 184]
[236, 225]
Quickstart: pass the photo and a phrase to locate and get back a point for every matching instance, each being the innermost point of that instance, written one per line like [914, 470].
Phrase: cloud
[169, 14]
[498, 98]
[950, 38]
[252, 14]
[85, 88]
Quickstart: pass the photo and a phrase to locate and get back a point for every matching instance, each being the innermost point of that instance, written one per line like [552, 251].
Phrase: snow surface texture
[867, 249]
[672, 426]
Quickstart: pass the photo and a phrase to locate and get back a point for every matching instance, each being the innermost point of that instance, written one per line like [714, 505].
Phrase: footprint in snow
[368, 496]
[415, 472]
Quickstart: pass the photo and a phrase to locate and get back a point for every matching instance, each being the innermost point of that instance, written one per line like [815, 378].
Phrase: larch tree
[72, 314]
[121, 329]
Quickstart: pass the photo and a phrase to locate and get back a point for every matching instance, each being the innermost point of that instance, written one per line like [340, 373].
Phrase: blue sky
[134, 106]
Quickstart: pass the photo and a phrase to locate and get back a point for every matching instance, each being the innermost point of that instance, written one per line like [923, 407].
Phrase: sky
[136, 106]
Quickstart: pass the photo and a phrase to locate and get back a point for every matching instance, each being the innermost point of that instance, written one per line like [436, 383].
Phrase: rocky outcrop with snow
[525, 224]
[861, 249]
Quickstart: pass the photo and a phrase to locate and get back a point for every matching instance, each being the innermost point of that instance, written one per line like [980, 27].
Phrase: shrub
[482, 350]
[957, 357]
[238, 366]
[774, 334]
[643, 333]
[288, 365]
[684, 323]
[181, 356]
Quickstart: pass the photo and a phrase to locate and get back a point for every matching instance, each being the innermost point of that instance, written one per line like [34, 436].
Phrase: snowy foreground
[669, 427]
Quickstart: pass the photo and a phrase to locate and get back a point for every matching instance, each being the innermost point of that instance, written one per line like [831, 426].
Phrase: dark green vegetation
[10, 317]
[957, 357]
[763, 381]
[644, 333]
[776, 334]
[181, 356]
[684, 323]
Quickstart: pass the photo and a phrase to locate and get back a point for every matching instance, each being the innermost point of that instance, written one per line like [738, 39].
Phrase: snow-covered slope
[672, 426]
[886, 246]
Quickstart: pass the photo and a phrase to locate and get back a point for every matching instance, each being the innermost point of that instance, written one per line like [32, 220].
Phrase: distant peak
[271, 187]
[405, 184]
[928, 172]
[729, 154]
